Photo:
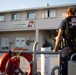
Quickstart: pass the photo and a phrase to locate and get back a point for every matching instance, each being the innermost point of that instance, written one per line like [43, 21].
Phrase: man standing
[67, 30]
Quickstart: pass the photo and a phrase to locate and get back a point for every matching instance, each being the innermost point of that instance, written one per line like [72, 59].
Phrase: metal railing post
[71, 58]
[34, 58]
[59, 63]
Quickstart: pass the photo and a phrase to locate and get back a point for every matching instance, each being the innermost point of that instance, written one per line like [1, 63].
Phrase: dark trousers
[64, 66]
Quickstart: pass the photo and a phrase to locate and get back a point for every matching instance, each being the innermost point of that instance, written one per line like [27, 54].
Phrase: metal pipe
[16, 51]
[34, 58]
[59, 62]
[29, 51]
[71, 58]
[46, 52]
[53, 70]
[57, 67]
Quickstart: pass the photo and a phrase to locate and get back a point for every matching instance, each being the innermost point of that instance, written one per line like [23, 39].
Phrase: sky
[19, 4]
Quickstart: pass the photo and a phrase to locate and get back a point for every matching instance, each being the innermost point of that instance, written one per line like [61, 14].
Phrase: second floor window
[16, 16]
[31, 15]
[1, 17]
[50, 13]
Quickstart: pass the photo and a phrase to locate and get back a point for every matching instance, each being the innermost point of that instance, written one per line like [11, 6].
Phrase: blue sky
[18, 4]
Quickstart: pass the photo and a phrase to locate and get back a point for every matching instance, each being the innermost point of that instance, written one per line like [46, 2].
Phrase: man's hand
[54, 51]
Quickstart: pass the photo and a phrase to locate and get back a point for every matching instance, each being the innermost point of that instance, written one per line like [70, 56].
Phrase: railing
[71, 58]
[34, 52]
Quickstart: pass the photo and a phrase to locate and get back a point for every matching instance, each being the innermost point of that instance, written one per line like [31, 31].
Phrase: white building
[33, 24]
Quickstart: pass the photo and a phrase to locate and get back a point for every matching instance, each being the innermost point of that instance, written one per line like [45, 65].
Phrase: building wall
[40, 23]
[40, 14]
[61, 12]
[29, 35]
[23, 16]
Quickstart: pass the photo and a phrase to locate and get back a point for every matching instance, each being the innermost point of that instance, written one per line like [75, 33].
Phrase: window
[16, 16]
[1, 17]
[20, 41]
[50, 13]
[47, 13]
[31, 15]
[5, 43]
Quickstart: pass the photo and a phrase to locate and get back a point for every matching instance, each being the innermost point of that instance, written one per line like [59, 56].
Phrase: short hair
[71, 10]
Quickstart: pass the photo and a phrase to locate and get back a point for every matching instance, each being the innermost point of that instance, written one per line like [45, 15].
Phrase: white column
[45, 62]
[37, 38]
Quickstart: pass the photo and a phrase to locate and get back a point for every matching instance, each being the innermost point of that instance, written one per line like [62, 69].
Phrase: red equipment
[5, 58]
[13, 66]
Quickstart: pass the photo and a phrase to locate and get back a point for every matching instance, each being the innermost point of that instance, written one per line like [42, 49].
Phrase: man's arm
[58, 39]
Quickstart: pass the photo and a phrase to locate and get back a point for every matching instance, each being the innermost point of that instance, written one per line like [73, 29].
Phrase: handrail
[34, 52]
[72, 56]
[53, 70]
[34, 58]
[29, 51]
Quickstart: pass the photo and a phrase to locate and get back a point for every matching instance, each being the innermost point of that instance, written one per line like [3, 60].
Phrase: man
[65, 32]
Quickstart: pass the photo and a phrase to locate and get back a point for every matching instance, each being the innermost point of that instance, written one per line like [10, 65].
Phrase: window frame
[48, 13]
[15, 16]
[31, 13]
[20, 41]
[2, 17]
[5, 44]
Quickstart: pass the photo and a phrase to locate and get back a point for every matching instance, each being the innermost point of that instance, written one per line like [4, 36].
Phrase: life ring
[5, 58]
[28, 42]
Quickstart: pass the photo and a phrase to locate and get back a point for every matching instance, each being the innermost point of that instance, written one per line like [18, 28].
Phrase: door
[20, 41]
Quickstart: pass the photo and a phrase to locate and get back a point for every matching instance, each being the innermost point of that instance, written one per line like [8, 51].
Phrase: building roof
[39, 8]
